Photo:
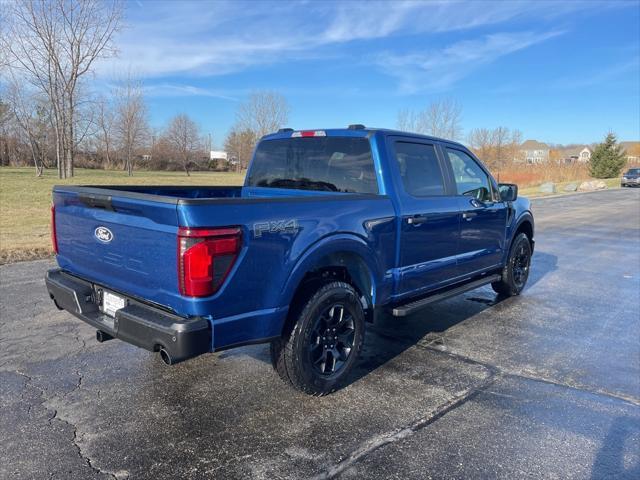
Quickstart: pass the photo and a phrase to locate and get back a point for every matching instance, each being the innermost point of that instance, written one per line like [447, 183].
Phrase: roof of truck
[354, 131]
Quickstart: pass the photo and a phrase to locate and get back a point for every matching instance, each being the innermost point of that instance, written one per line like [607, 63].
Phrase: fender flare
[337, 243]
[525, 216]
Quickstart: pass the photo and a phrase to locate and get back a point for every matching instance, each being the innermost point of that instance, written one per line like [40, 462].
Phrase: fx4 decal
[275, 226]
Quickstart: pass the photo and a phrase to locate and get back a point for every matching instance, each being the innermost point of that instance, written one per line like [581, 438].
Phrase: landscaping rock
[592, 186]
[548, 187]
[570, 187]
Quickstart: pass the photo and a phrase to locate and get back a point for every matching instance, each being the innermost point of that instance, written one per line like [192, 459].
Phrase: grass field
[25, 200]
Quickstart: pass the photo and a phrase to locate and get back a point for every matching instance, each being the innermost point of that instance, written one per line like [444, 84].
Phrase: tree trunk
[34, 155]
[186, 166]
[68, 163]
[107, 163]
[129, 162]
[59, 157]
[69, 147]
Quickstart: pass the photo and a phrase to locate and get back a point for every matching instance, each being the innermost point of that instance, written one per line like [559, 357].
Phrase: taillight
[54, 237]
[205, 257]
[309, 133]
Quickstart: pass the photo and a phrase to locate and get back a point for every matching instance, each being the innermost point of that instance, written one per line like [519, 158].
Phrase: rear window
[332, 164]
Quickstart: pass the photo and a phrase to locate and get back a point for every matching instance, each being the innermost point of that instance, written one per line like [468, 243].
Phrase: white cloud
[439, 69]
[183, 90]
[178, 39]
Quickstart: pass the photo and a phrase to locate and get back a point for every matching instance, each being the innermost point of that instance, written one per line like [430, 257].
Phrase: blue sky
[561, 72]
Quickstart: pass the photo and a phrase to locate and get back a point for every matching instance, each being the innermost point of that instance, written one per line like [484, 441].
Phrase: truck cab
[331, 229]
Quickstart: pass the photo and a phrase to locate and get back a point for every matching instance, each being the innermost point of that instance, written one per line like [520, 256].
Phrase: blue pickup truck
[331, 229]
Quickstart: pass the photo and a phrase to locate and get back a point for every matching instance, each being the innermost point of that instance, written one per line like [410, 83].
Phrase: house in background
[218, 156]
[220, 160]
[578, 154]
[533, 151]
[632, 150]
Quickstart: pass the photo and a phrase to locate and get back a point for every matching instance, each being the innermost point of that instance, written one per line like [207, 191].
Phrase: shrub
[608, 158]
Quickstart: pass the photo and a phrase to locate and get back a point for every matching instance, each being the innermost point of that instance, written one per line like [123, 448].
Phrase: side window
[470, 179]
[419, 169]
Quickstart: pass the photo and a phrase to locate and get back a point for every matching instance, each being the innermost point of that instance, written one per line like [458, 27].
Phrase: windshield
[332, 164]
[633, 171]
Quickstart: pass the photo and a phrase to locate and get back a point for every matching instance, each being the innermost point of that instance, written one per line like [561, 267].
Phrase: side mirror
[508, 192]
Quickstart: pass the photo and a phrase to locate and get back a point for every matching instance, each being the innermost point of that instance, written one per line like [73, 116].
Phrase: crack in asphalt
[576, 387]
[534, 378]
[54, 416]
[437, 345]
[379, 441]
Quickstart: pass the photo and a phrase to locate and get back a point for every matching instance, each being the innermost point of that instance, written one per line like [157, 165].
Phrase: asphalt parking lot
[545, 385]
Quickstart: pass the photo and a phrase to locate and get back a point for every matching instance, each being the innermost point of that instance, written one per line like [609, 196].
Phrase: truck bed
[188, 194]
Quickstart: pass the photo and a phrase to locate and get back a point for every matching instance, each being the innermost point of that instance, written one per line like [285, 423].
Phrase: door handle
[417, 219]
[468, 216]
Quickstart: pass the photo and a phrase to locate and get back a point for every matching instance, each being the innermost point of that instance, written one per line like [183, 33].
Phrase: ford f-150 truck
[331, 229]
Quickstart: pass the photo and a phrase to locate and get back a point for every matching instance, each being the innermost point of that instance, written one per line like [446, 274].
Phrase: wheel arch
[343, 257]
[525, 225]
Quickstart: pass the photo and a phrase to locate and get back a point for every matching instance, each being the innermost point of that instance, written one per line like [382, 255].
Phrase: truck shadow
[542, 264]
[391, 336]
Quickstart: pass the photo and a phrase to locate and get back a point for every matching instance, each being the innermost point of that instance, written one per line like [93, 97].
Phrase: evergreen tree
[608, 159]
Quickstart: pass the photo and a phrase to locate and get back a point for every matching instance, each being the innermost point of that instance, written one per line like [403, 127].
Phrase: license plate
[111, 303]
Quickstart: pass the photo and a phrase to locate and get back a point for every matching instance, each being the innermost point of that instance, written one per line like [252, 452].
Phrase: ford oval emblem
[103, 234]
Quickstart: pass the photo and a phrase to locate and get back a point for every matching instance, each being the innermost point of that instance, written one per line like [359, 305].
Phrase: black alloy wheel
[324, 339]
[331, 340]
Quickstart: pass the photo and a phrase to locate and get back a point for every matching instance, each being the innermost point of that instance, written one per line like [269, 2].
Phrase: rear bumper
[137, 323]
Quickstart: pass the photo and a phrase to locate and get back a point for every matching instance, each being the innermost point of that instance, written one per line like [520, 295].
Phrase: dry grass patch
[25, 200]
[532, 175]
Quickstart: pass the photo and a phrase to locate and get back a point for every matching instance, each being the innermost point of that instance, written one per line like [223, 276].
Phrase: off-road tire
[292, 355]
[516, 272]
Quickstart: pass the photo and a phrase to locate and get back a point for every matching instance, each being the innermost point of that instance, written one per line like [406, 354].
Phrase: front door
[484, 216]
[430, 218]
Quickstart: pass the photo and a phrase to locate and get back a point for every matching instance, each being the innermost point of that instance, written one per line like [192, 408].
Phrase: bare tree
[513, 149]
[500, 140]
[408, 121]
[53, 45]
[131, 119]
[32, 118]
[497, 148]
[6, 117]
[105, 120]
[480, 141]
[239, 144]
[263, 112]
[440, 118]
[183, 135]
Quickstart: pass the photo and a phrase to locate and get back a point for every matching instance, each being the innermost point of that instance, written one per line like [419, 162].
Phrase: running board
[408, 308]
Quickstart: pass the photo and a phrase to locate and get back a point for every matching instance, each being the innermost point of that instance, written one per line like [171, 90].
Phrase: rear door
[484, 216]
[429, 226]
[126, 242]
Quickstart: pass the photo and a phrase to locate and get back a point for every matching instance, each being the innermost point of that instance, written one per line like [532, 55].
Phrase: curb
[571, 194]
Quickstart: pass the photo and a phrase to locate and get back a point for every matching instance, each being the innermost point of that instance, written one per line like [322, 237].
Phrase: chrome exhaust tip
[166, 358]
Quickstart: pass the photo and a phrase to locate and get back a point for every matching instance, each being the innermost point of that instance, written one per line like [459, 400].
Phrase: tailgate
[123, 241]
